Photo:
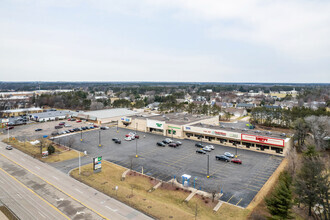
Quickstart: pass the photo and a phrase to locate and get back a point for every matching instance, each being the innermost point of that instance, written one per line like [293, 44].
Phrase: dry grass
[61, 153]
[165, 202]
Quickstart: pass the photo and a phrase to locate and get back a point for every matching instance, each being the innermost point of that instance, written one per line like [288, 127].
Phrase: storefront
[155, 126]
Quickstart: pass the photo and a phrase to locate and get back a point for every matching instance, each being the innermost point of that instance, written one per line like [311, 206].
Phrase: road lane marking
[42, 215]
[55, 177]
[37, 167]
[114, 210]
[54, 187]
[18, 195]
[34, 193]
[78, 190]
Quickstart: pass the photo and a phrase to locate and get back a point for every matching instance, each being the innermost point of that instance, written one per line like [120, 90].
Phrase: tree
[301, 129]
[279, 202]
[51, 149]
[310, 183]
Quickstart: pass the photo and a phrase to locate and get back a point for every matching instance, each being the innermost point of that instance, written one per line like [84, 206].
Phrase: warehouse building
[51, 116]
[106, 115]
[20, 111]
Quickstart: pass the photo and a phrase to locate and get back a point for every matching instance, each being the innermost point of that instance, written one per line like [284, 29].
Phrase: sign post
[97, 164]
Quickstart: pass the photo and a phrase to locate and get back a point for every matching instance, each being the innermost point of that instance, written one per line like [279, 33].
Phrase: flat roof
[175, 118]
[109, 113]
[52, 114]
[241, 130]
[22, 110]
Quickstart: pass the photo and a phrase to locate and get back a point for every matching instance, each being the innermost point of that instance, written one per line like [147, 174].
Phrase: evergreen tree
[279, 202]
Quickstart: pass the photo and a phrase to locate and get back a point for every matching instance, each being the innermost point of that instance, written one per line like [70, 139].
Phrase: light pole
[172, 133]
[136, 154]
[117, 126]
[79, 162]
[100, 138]
[81, 139]
[236, 150]
[208, 166]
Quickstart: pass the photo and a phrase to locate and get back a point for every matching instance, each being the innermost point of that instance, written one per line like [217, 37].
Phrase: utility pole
[208, 166]
[100, 138]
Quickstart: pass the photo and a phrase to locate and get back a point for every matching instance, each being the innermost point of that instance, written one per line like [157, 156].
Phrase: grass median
[165, 202]
[61, 153]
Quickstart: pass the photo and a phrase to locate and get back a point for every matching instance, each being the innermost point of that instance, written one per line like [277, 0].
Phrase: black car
[166, 142]
[84, 128]
[199, 145]
[38, 129]
[222, 157]
[199, 151]
[114, 139]
[117, 141]
[172, 145]
[161, 144]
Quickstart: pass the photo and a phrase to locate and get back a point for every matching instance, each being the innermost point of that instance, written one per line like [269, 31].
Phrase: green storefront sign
[174, 127]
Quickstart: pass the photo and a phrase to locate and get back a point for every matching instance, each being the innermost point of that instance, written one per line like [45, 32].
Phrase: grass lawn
[165, 202]
[61, 153]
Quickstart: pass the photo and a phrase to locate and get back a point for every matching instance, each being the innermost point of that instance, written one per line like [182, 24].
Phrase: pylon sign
[97, 163]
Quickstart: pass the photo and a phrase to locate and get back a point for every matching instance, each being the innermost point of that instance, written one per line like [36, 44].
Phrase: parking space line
[251, 189]
[239, 201]
[230, 198]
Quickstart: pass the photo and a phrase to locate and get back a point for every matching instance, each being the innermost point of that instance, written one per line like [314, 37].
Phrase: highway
[70, 198]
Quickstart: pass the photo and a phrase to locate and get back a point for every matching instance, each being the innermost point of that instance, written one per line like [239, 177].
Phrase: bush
[51, 149]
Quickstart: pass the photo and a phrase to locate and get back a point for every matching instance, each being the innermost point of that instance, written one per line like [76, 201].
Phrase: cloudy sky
[165, 40]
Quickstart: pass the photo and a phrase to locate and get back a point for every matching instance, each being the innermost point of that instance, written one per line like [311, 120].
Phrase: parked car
[95, 126]
[58, 127]
[118, 141]
[178, 143]
[54, 133]
[206, 148]
[222, 157]
[64, 132]
[230, 155]
[71, 130]
[169, 140]
[136, 136]
[38, 129]
[114, 139]
[91, 123]
[8, 147]
[128, 138]
[91, 127]
[172, 145]
[73, 119]
[236, 160]
[61, 123]
[83, 128]
[161, 144]
[165, 141]
[67, 125]
[199, 151]
[67, 131]
[78, 121]
[210, 146]
[104, 128]
[10, 127]
[199, 145]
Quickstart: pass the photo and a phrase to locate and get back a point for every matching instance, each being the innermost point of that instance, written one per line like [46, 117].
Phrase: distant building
[21, 111]
[245, 105]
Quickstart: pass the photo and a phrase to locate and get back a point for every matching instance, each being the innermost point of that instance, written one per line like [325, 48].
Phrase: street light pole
[100, 138]
[136, 154]
[208, 166]
[117, 126]
[172, 133]
[79, 163]
[81, 136]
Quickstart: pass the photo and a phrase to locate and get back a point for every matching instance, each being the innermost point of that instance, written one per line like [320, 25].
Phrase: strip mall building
[207, 129]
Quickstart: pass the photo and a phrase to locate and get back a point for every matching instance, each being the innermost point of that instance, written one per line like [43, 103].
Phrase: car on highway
[236, 160]
[10, 127]
[199, 145]
[222, 157]
[199, 151]
[230, 155]
[38, 129]
[172, 145]
[8, 147]
[206, 148]
[161, 144]
[210, 146]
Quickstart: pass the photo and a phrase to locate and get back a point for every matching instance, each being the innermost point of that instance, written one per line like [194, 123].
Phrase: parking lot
[239, 183]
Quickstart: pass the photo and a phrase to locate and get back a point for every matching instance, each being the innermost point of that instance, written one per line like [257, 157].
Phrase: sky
[284, 41]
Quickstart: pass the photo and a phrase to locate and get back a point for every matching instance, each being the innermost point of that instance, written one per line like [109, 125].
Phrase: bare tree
[320, 129]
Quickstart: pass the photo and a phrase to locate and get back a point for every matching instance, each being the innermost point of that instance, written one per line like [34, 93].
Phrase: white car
[206, 148]
[210, 146]
[227, 154]
[128, 138]
[91, 123]
[169, 140]
[67, 125]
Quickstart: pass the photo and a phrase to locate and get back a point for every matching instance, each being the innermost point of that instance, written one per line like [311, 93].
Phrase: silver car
[230, 155]
[206, 148]
[210, 146]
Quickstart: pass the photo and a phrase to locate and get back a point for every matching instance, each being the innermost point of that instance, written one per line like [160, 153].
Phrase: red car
[236, 160]
[10, 127]
[61, 123]
[69, 119]
[78, 121]
[95, 126]
[137, 136]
